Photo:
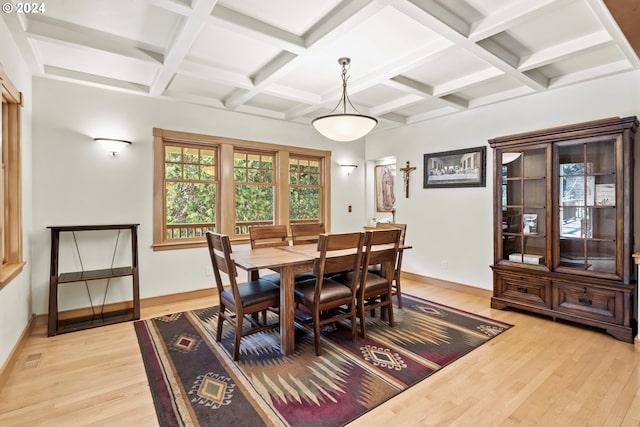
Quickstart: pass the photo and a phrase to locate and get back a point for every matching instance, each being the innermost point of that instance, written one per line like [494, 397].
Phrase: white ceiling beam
[64, 33]
[514, 14]
[500, 96]
[455, 101]
[193, 99]
[409, 61]
[256, 29]
[95, 80]
[301, 110]
[192, 25]
[592, 73]
[408, 85]
[332, 27]
[17, 23]
[395, 104]
[438, 12]
[286, 92]
[416, 11]
[564, 50]
[174, 6]
[394, 118]
[440, 112]
[212, 74]
[347, 15]
[604, 16]
[465, 82]
[263, 112]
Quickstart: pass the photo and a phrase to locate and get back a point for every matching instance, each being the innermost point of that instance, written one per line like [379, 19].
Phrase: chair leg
[316, 332]
[354, 324]
[220, 321]
[398, 292]
[236, 342]
[390, 309]
[361, 313]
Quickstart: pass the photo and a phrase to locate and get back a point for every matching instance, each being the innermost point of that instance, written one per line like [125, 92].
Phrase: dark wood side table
[132, 312]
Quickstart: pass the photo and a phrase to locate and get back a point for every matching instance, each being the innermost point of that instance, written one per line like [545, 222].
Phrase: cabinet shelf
[57, 324]
[576, 183]
[85, 322]
[105, 273]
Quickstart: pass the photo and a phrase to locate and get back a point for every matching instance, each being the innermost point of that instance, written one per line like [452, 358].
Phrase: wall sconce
[112, 145]
[349, 168]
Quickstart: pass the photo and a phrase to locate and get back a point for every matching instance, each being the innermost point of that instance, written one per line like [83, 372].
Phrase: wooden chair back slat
[302, 234]
[402, 227]
[339, 252]
[220, 253]
[268, 236]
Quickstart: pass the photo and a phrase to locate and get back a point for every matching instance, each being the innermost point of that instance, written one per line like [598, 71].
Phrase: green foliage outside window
[190, 187]
[255, 195]
[304, 189]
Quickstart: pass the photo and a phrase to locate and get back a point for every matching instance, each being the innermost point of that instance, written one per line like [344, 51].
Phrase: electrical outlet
[445, 264]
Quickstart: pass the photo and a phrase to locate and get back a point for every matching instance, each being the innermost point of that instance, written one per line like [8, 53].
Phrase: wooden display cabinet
[563, 223]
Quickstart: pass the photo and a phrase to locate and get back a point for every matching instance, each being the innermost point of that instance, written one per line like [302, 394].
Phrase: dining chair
[375, 287]
[240, 301]
[302, 234]
[329, 300]
[267, 236]
[397, 291]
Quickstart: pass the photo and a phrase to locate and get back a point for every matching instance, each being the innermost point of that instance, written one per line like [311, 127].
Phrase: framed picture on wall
[385, 183]
[457, 168]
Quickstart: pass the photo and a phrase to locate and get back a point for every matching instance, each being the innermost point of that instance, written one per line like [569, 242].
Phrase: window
[253, 174]
[190, 191]
[305, 189]
[206, 182]
[11, 185]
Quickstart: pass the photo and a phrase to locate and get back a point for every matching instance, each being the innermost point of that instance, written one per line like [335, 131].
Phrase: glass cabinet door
[524, 206]
[587, 206]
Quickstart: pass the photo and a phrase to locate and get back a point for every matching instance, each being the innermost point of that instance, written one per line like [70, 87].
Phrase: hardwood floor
[539, 373]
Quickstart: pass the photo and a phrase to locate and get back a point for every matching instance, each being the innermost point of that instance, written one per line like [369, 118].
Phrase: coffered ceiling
[412, 60]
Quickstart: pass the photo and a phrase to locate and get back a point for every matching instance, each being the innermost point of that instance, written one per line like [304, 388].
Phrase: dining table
[287, 261]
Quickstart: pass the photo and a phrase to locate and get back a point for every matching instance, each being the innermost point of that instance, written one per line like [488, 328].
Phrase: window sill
[191, 244]
[10, 272]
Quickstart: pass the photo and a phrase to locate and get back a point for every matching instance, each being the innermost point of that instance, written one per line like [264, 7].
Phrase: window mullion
[227, 202]
[282, 188]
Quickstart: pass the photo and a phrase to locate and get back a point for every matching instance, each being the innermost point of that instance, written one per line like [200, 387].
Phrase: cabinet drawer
[589, 301]
[528, 290]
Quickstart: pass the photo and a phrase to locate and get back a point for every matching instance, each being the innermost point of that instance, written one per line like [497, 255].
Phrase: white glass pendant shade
[344, 127]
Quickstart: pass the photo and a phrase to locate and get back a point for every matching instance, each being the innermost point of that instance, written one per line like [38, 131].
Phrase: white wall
[451, 229]
[15, 298]
[76, 182]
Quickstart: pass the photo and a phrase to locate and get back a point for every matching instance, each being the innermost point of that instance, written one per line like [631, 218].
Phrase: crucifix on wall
[405, 172]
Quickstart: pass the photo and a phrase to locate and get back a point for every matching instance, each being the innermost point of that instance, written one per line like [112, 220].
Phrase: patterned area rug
[194, 380]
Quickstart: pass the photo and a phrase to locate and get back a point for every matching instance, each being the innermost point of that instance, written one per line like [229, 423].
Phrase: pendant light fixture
[344, 126]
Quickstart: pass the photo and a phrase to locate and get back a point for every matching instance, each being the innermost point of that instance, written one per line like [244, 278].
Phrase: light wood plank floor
[539, 373]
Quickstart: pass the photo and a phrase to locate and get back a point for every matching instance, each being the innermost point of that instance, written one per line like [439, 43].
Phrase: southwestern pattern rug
[194, 381]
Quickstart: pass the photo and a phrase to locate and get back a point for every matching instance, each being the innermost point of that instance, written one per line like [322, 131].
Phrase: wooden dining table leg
[287, 310]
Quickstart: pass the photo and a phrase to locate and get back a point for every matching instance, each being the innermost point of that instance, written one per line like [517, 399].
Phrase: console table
[132, 312]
